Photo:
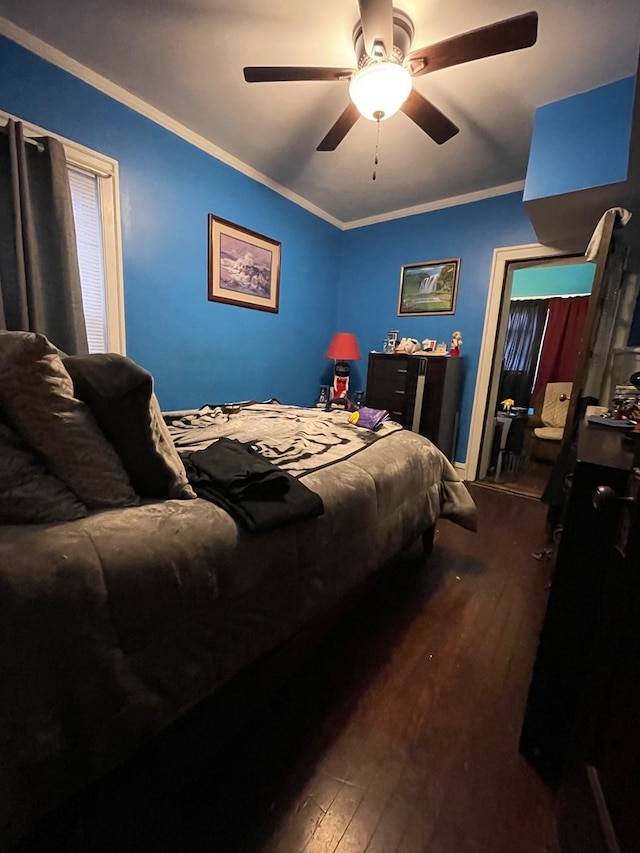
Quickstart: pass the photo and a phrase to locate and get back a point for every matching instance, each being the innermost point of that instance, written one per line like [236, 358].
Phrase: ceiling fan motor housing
[403, 32]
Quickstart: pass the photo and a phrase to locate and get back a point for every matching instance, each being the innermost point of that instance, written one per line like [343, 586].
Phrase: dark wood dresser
[421, 392]
[581, 728]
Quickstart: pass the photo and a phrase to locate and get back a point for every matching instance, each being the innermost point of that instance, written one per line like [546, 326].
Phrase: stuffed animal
[409, 345]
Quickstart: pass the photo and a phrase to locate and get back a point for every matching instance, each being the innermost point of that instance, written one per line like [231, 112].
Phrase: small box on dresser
[421, 392]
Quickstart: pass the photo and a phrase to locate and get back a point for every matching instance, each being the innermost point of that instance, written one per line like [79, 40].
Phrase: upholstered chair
[546, 425]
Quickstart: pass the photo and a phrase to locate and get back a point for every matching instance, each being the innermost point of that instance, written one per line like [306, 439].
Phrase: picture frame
[244, 266]
[428, 288]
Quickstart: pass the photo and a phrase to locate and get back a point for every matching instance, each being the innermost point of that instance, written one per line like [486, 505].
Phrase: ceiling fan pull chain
[377, 115]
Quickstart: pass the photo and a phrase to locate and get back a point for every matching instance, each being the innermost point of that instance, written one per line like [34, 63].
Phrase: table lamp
[342, 349]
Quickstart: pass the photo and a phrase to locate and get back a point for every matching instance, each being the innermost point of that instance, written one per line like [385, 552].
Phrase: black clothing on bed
[258, 494]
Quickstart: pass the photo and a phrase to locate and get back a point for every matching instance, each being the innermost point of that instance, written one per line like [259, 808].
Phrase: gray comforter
[111, 626]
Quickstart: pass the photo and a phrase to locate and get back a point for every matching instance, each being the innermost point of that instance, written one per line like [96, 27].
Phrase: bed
[114, 624]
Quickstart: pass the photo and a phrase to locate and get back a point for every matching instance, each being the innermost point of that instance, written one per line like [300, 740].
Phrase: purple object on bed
[371, 418]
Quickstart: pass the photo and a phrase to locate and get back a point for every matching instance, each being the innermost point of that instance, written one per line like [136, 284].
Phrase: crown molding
[440, 204]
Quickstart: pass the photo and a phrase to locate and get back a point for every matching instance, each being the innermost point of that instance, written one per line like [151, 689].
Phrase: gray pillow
[29, 494]
[36, 395]
[120, 395]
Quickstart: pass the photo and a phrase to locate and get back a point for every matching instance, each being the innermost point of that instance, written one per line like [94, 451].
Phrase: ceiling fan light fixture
[379, 90]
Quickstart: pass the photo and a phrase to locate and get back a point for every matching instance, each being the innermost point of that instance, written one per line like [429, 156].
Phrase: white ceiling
[185, 58]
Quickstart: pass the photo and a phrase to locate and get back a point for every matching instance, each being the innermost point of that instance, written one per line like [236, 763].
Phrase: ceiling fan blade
[502, 37]
[275, 74]
[348, 117]
[377, 27]
[429, 118]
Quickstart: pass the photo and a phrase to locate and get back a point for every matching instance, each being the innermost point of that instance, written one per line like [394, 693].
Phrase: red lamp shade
[344, 347]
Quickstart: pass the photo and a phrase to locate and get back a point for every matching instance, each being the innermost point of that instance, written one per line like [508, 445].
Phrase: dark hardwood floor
[399, 735]
[528, 480]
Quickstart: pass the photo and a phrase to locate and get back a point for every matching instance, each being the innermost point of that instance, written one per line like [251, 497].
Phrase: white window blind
[86, 212]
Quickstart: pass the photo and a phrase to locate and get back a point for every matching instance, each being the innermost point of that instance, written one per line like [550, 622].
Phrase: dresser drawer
[387, 385]
[390, 373]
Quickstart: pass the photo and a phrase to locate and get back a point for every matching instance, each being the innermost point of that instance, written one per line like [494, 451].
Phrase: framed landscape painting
[244, 266]
[430, 287]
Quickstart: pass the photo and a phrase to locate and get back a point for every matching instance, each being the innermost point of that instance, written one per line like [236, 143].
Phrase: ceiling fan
[382, 83]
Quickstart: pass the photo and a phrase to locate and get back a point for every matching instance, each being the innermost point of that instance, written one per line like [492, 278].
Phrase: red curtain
[561, 341]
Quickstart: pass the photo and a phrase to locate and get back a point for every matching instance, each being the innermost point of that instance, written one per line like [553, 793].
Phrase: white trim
[61, 60]
[461, 470]
[441, 204]
[501, 258]
[106, 170]
[113, 270]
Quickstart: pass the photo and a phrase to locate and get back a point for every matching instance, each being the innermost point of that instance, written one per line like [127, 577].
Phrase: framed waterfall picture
[244, 266]
[428, 288]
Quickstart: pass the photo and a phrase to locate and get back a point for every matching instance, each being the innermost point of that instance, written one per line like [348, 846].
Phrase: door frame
[493, 341]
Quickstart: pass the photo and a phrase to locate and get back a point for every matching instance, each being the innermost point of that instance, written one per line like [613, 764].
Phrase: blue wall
[370, 279]
[582, 141]
[198, 351]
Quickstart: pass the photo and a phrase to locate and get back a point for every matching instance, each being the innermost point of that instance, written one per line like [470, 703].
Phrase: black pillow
[120, 394]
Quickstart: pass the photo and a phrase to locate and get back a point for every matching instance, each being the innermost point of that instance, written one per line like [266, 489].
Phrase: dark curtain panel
[561, 341]
[522, 346]
[39, 277]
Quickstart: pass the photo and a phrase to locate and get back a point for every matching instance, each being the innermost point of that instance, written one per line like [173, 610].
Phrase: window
[86, 213]
[96, 207]
[93, 179]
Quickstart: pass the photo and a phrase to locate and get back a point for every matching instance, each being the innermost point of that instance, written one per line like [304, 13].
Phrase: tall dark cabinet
[421, 392]
[580, 729]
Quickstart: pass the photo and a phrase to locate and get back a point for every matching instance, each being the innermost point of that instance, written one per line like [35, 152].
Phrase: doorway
[538, 274]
